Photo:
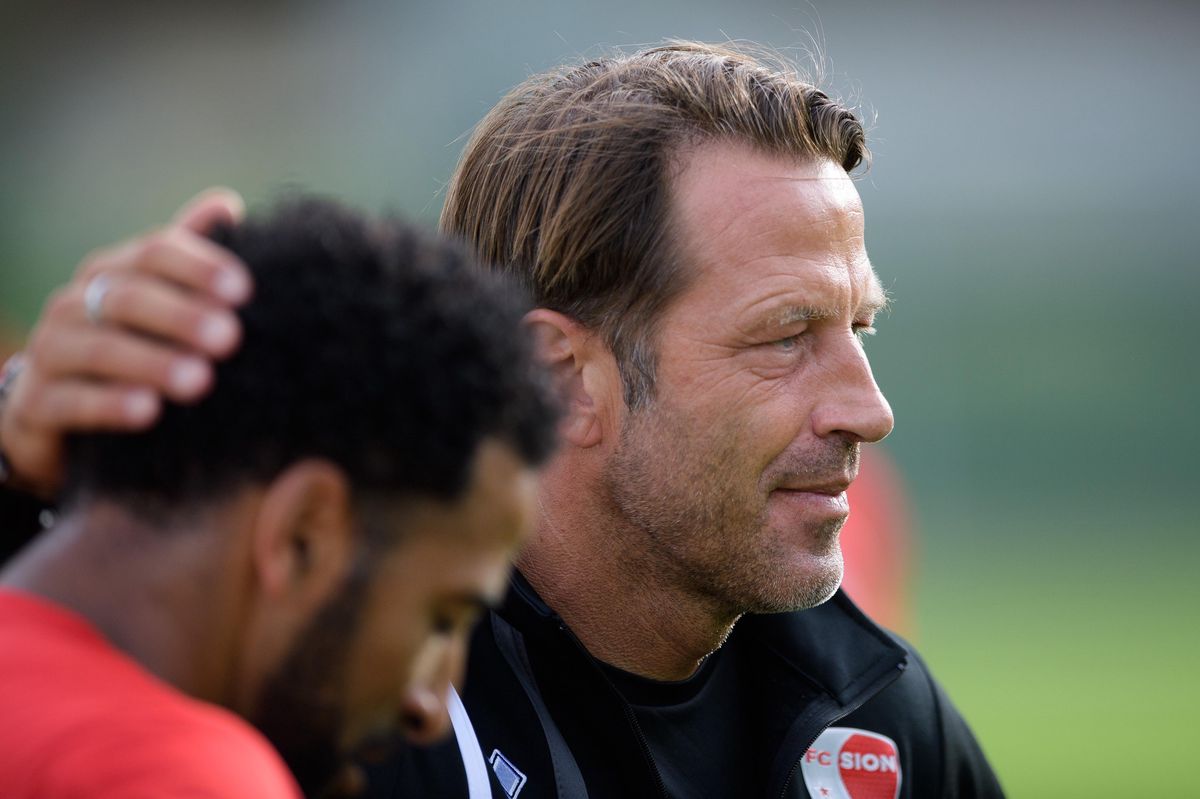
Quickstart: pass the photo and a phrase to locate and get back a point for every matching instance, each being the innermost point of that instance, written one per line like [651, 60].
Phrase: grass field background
[1076, 666]
[1032, 209]
[1048, 434]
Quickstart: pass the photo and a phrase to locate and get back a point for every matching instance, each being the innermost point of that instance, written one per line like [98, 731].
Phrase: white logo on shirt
[510, 777]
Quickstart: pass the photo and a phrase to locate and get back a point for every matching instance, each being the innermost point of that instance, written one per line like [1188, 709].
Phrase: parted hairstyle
[380, 348]
[565, 183]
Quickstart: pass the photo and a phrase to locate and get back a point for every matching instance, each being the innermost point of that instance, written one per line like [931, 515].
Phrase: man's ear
[304, 536]
[585, 375]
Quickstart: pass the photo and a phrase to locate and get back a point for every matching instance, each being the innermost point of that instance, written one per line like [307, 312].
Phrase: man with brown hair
[686, 222]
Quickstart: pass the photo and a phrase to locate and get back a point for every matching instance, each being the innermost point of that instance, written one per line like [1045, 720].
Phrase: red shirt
[81, 720]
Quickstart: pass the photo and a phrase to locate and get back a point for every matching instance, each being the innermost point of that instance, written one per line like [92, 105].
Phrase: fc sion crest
[848, 763]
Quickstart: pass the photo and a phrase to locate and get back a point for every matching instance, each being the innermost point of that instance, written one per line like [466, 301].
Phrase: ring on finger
[93, 298]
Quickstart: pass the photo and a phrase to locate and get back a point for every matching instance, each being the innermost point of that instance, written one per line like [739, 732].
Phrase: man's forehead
[724, 185]
[767, 237]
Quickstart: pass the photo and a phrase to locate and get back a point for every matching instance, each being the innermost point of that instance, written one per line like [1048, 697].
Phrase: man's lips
[824, 498]
[830, 488]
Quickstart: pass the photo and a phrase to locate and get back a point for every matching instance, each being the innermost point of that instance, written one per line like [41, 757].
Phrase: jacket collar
[813, 666]
[833, 646]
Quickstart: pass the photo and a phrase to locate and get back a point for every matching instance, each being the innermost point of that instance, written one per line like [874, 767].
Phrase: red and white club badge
[846, 763]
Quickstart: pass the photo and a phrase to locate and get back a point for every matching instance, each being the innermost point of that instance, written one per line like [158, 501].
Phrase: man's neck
[153, 594]
[615, 592]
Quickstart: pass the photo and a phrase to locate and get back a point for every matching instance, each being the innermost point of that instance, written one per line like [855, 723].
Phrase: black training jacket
[852, 711]
[21, 520]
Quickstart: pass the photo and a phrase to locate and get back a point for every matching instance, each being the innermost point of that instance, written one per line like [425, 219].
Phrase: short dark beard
[301, 711]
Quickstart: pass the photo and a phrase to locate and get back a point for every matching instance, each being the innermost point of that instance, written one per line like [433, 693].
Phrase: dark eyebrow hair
[478, 601]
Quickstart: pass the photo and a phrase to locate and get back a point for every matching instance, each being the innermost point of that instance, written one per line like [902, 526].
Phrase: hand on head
[140, 321]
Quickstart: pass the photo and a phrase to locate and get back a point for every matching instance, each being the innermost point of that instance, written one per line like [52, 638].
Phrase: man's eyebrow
[873, 302]
[791, 314]
[476, 601]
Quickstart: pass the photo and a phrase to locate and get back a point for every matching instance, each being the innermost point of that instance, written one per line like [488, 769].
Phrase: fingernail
[188, 376]
[232, 286]
[217, 332]
[140, 406]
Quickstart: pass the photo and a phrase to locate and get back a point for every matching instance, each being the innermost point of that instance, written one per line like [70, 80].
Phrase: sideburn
[301, 711]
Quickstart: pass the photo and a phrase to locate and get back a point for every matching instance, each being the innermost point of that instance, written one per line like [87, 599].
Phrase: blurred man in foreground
[307, 547]
[687, 224]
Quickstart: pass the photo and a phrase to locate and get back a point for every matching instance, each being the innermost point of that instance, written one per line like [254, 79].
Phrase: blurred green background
[1032, 208]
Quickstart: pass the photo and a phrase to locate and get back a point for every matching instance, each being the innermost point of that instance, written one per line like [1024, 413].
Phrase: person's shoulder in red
[81, 719]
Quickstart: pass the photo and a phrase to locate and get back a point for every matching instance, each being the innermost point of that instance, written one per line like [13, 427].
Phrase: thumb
[209, 208]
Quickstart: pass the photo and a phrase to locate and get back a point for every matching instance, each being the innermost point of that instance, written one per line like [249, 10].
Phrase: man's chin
[380, 747]
[810, 583]
[350, 781]
[315, 760]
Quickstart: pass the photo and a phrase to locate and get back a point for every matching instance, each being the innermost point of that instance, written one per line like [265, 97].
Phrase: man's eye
[862, 331]
[788, 344]
[459, 622]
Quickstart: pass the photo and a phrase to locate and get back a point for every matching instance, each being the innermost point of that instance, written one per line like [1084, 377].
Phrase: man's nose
[424, 714]
[853, 405]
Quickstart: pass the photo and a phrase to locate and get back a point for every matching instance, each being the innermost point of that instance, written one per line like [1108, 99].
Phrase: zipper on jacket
[840, 712]
[630, 716]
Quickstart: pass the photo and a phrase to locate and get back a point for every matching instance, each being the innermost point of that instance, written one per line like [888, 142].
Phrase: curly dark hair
[374, 345]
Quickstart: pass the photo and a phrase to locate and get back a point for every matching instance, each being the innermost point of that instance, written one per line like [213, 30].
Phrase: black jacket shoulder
[938, 749]
[548, 723]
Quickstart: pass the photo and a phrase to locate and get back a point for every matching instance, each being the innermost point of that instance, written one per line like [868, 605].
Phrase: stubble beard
[300, 711]
[704, 520]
